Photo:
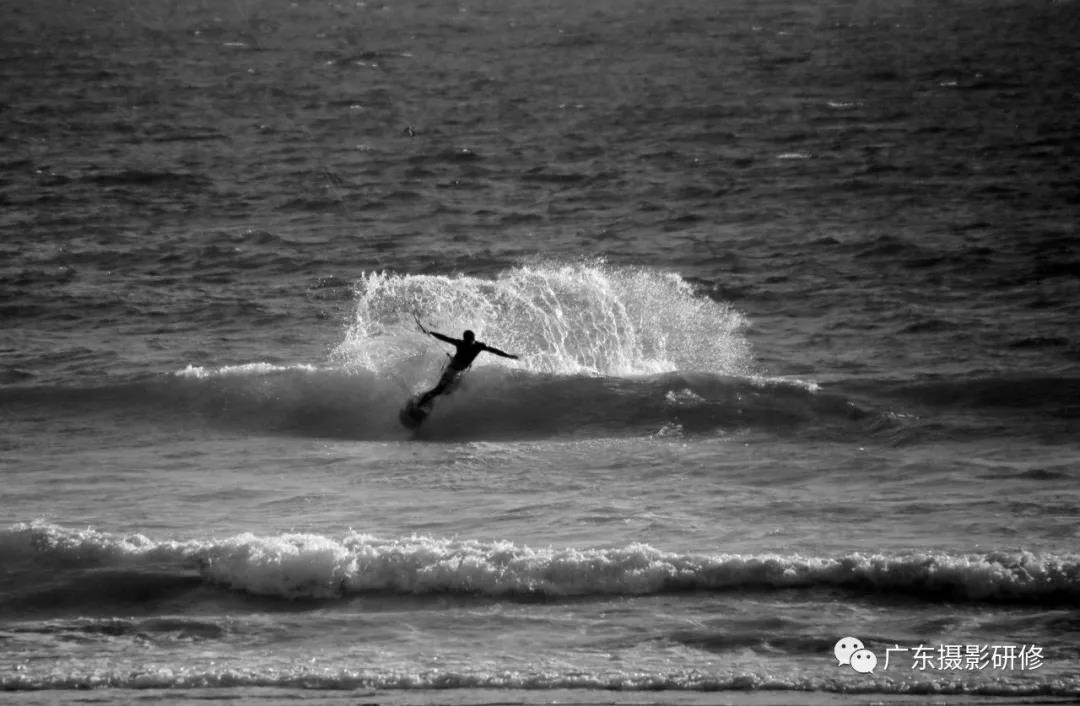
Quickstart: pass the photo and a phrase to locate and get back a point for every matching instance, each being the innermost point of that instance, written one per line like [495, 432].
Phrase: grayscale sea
[795, 288]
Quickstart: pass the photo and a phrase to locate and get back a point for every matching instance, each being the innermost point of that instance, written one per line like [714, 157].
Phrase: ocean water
[795, 287]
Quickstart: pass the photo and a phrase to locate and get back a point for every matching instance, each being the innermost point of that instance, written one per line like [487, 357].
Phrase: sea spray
[579, 318]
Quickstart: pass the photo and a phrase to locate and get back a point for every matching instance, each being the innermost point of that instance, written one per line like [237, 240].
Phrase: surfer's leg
[449, 375]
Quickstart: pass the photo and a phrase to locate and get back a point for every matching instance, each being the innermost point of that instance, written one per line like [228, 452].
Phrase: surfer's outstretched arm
[496, 351]
[436, 334]
[447, 339]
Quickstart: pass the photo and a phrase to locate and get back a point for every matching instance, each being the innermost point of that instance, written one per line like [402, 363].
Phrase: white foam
[683, 398]
[788, 686]
[767, 381]
[317, 566]
[245, 369]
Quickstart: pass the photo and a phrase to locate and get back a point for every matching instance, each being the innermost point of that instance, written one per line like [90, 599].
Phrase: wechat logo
[850, 651]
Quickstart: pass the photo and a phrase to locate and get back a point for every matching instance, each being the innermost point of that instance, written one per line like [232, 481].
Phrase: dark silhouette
[467, 350]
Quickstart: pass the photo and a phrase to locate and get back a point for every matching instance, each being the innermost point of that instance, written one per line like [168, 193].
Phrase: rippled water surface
[793, 285]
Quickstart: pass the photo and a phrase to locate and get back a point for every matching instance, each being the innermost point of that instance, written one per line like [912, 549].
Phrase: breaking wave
[308, 677]
[318, 567]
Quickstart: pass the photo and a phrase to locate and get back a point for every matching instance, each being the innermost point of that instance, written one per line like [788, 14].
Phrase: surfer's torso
[466, 354]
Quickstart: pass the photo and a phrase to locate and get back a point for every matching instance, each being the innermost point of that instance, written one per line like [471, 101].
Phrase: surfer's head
[468, 336]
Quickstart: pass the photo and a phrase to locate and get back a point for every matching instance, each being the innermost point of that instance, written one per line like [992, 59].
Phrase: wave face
[495, 402]
[583, 318]
[313, 566]
[490, 403]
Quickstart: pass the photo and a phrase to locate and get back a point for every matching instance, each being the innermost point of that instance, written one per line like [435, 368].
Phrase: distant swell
[311, 566]
[1052, 393]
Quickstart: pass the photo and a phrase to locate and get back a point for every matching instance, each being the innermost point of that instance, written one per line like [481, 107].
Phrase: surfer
[467, 350]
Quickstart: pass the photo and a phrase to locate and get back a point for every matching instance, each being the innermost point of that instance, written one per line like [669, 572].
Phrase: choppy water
[794, 287]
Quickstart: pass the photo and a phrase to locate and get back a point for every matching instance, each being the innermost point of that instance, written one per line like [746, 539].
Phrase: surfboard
[413, 414]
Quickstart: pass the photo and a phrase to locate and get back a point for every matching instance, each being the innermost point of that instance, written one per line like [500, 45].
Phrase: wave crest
[314, 566]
